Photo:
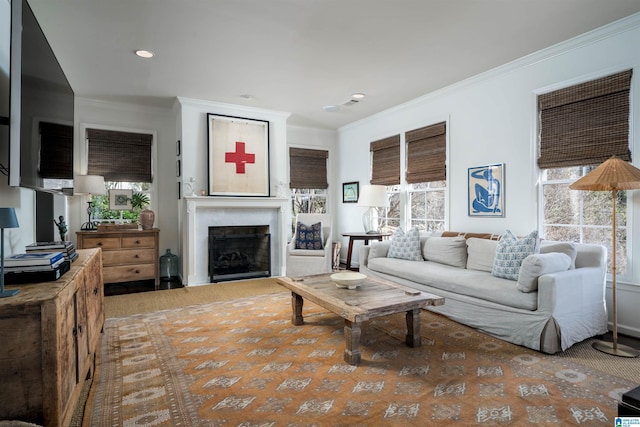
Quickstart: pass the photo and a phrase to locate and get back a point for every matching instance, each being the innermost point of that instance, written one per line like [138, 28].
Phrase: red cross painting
[238, 156]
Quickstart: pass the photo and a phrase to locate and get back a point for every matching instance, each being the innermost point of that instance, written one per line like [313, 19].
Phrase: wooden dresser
[51, 332]
[127, 255]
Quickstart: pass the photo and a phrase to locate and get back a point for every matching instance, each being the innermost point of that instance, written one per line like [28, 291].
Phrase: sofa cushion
[309, 236]
[379, 249]
[566, 248]
[511, 251]
[480, 254]
[470, 283]
[535, 265]
[446, 250]
[405, 245]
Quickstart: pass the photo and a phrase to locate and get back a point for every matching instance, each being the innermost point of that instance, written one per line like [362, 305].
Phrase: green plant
[139, 201]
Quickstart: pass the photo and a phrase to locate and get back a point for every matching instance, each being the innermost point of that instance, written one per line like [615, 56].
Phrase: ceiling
[301, 55]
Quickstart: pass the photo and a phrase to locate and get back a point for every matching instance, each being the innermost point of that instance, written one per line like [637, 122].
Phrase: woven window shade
[120, 156]
[585, 124]
[308, 168]
[56, 151]
[427, 154]
[385, 165]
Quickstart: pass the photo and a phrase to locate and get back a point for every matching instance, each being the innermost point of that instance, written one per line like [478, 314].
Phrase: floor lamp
[8, 219]
[88, 185]
[613, 175]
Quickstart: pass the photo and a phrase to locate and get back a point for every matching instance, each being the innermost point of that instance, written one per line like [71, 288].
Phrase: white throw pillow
[536, 265]
[511, 251]
[567, 248]
[379, 249]
[481, 253]
[405, 246]
[446, 250]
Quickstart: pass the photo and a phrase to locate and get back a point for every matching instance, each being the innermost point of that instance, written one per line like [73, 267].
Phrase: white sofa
[567, 307]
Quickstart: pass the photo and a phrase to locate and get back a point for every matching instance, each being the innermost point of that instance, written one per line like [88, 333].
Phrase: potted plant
[139, 201]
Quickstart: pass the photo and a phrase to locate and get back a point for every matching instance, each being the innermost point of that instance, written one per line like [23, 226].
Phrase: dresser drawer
[105, 243]
[127, 273]
[137, 242]
[129, 256]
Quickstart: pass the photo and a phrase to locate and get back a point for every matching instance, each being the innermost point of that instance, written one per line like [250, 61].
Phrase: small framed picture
[120, 200]
[486, 190]
[350, 192]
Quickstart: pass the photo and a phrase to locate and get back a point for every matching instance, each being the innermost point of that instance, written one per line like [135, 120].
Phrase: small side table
[361, 236]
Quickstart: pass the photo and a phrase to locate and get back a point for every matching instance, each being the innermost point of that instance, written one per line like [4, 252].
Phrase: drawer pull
[137, 271]
[99, 243]
[137, 242]
[95, 291]
[136, 256]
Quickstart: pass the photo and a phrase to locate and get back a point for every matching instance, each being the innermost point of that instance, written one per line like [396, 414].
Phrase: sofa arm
[378, 249]
[576, 301]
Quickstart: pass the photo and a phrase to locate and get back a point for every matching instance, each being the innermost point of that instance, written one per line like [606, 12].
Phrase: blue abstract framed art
[486, 190]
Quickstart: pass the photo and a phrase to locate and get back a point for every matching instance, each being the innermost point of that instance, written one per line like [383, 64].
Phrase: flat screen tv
[41, 109]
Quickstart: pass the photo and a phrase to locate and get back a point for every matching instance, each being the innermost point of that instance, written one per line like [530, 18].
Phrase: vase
[147, 217]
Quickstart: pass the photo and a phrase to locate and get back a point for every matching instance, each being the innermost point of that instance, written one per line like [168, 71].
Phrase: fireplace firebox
[239, 252]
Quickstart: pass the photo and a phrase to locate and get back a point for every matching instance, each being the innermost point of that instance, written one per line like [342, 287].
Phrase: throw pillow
[511, 251]
[309, 236]
[567, 248]
[405, 246]
[481, 253]
[535, 265]
[446, 250]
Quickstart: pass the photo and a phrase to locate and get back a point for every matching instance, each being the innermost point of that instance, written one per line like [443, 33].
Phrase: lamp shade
[8, 218]
[88, 184]
[373, 196]
[614, 174]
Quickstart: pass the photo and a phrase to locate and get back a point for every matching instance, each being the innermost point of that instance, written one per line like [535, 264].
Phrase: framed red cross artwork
[238, 156]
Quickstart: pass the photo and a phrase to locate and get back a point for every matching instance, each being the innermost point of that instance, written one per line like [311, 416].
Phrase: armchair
[304, 262]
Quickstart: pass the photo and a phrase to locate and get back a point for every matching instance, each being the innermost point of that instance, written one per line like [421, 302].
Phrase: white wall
[125, 117]
[492, 119]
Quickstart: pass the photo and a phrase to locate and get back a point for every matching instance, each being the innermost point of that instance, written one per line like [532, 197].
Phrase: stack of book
[67, 248]
[35, 267]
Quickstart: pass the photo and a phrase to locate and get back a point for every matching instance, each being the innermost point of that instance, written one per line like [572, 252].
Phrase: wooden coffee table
[373, 298]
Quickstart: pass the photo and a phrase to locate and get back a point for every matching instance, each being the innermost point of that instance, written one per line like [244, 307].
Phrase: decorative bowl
[348, 280]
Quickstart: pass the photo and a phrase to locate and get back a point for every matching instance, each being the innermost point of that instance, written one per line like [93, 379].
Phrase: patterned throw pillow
[406, 246]
[309, 236]
[511, 251]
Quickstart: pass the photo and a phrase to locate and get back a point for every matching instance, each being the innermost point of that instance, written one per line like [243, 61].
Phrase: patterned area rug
[242, 363]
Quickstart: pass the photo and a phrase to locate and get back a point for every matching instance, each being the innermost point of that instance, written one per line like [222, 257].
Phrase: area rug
[242, 363]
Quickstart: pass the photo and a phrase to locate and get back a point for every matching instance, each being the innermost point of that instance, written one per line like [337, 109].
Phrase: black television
[41, 109]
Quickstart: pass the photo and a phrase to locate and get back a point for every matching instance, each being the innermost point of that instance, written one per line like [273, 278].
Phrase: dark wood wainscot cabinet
[127, 255]
[51, 332]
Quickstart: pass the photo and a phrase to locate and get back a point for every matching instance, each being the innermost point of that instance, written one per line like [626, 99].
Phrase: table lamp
[8, 219]
[89, 185]
[613, 175]
[373, 196]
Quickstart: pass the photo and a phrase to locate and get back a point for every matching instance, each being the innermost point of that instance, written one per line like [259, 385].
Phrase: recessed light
[331, 108]
[145, 53]
[248, 96]
[358, 95]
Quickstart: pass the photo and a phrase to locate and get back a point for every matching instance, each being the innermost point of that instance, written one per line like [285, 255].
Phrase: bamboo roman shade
[385, 165]
[56, 151]
[120, 156]
[426, 154]
[585, 124]
[308, 168]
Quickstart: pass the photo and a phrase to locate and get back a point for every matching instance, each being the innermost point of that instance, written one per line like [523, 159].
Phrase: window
[308, 181]
[426, 174]
[124, 159]
[580, 127]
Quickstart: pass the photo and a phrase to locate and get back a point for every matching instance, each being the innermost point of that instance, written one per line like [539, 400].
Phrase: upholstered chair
[310, 249]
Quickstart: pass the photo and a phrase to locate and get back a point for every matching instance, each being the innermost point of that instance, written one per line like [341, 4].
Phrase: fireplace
[239, 252]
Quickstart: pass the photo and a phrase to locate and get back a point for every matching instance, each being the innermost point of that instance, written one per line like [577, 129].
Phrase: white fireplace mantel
[199, 213]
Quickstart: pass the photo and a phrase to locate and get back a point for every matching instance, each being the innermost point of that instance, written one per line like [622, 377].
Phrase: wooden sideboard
[51, 332]
[127, 255]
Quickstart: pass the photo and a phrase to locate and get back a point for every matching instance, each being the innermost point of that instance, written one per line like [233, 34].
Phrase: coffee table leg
[352, 334]
[413, 328]
[296, 306]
